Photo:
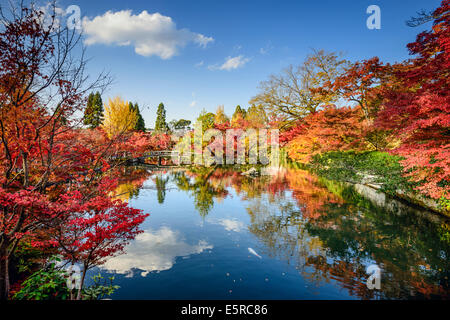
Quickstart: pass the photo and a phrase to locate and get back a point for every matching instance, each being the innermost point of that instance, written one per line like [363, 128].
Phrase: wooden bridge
[172, 154]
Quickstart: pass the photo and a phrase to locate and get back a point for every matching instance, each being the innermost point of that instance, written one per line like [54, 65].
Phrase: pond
[216, 234]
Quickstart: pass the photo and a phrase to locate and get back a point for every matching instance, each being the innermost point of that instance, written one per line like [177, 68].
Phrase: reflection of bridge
[159, 155]
[172, 154]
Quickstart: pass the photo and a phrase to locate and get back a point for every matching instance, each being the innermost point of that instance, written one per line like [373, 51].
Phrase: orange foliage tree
[330, 129]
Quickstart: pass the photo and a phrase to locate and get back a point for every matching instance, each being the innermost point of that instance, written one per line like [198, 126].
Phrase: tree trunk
[4, 275]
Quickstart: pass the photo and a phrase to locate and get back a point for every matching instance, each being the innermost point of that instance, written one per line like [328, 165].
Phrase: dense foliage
[55, 188]
[57, 191]
[403, 109]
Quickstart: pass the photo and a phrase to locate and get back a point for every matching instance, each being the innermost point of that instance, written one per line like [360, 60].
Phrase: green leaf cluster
[48, 283]
[101, 288]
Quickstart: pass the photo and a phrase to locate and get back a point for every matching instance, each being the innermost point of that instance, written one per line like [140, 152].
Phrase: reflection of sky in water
[185, 255]
[229, 224]
[154, 251]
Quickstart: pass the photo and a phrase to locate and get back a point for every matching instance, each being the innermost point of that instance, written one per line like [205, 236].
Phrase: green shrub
[99, 290]
[27, 257]
[354, 167]
[48, 283]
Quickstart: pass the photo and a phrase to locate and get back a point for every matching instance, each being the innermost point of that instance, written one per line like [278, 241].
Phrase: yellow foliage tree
[118, 117]
[220, 116]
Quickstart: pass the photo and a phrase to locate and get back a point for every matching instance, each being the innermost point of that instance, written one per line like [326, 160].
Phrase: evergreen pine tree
[140, 124]
[131, 106]
[160, 124]
[239, 114]
[93, 114]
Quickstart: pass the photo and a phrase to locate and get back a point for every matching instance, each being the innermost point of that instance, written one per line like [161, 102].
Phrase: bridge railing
[169, 153]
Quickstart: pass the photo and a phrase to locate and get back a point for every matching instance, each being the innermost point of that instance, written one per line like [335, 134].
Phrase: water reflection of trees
[198, 185]
[160, 183]
[337, 235]
[329, 232]
[407, 247]
[130, 181]
[208, 185]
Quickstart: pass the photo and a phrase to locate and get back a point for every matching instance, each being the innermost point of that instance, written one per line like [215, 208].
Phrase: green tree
[140, 123]
[256, 116]
[160, 124]
[181, 124]
[207, 119]
[239, 114]
[93, 114]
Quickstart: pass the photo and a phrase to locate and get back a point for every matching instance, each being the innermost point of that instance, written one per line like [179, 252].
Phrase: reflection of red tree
[277, 185]
[349, 275]
[308, 192]
[428, 290]
[134, 176]
[352, 277]
[306, 188]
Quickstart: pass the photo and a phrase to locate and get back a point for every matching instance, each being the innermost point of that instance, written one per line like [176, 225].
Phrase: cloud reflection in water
[229, 224]
[154, 251]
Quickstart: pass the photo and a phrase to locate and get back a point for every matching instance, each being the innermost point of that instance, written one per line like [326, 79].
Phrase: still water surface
[215, 234]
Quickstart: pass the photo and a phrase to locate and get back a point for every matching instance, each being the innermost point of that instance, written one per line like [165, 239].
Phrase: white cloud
[198, 65]
[265, 50]
[150, 34]
[231, 63]
[154, 251]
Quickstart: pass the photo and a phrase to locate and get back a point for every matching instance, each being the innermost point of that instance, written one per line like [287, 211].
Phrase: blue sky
[189, 73]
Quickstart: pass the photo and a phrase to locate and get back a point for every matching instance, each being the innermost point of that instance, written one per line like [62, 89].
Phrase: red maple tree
[51, 169]
[418, 109]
